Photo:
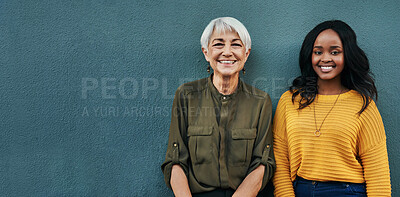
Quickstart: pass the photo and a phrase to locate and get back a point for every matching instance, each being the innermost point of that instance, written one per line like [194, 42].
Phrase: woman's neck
[226, 84]
[331, 87]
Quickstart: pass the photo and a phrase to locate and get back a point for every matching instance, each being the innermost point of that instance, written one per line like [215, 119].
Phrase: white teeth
[227, 62]
[326, 67]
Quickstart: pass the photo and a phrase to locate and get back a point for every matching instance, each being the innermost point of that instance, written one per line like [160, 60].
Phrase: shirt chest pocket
[200, 144]
[241, 146]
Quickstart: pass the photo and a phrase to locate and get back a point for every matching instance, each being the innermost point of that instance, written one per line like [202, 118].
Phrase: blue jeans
[307, 188]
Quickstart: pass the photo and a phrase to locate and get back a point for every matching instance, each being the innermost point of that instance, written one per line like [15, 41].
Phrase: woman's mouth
[326, 69]
[227, 61]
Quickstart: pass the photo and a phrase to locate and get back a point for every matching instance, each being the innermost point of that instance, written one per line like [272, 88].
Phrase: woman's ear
[205, 53]
[247, 53]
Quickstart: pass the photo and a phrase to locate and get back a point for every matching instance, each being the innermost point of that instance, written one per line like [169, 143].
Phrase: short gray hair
[224, 24]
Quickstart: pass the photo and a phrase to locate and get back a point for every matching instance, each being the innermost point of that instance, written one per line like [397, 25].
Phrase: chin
[228, 73]
[327, 78]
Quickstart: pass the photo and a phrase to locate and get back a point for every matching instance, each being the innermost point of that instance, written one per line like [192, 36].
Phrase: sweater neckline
[349, 93]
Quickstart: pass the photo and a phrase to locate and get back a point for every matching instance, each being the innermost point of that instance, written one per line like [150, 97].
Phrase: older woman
[220, 136]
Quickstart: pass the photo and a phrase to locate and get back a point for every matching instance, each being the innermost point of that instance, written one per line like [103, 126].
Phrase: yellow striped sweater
[350, 148]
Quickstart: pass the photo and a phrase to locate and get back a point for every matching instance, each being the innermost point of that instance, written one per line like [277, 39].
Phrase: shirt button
[347, 185]
[313, 182]
[175, 145]
[268, 146]
[224, 97]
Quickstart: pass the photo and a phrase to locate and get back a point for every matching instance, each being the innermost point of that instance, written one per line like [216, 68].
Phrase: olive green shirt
[219, 139]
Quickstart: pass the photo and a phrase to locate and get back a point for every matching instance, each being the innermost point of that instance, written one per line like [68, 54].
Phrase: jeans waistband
[304, 187]
[303, 180]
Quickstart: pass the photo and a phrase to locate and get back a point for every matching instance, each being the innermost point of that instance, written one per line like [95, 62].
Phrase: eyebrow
[332, 47]
[220, 39]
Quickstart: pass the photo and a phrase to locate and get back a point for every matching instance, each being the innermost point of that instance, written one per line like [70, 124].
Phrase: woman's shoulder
[193, 86]
[287, 93]
[286, 96]
[249, 89]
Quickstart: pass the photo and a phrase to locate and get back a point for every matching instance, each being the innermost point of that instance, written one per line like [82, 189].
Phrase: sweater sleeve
[282, 181]
[177, 152]
[373, 152]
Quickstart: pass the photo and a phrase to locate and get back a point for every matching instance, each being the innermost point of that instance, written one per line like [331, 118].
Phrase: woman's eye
[317, 52]
[236, 45]
[218, 44]
[335, 52]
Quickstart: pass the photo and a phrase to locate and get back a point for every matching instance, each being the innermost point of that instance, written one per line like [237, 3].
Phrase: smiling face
[327, 58]
[226, 53]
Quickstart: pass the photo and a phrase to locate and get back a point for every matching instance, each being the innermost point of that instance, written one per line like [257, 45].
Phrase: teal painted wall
[86, 87]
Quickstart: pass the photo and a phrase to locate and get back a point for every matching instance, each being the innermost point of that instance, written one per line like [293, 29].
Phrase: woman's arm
[177, 153]
[373, 152]
[251, 185]
[262, 165]
[179, 182]
[282, 181]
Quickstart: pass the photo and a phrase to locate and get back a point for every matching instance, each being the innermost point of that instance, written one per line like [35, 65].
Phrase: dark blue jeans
[307, 188]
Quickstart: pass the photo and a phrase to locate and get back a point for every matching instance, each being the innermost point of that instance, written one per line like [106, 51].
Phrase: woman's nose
[326, 58]
[227, 51]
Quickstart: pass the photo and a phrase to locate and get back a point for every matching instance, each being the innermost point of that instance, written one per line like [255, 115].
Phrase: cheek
[342, 61]
[314, 60]
[213, 54]
[339, 61]
[239, 55]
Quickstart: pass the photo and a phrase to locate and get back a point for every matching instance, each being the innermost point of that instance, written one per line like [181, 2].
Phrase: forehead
[225, 35]
[328, 37]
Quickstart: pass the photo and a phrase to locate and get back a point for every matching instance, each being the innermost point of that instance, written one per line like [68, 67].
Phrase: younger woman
[329, 138]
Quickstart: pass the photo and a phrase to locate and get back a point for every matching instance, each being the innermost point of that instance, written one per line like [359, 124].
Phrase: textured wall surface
[86, 87]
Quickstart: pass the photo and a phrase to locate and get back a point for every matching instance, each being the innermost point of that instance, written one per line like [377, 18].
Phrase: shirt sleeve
[262, 152]
[373, 152]
[282, 181]
[177, 152]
